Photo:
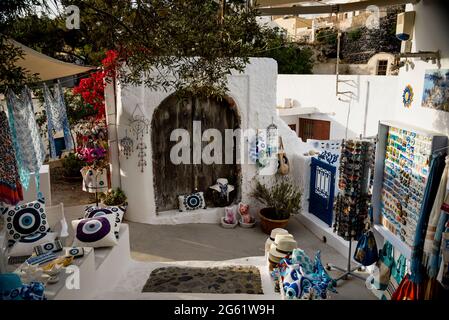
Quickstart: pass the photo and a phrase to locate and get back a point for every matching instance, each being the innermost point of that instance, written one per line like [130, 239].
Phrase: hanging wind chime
[126, 145]
[140, 126]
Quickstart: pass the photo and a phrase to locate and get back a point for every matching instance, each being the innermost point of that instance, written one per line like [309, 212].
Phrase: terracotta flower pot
[268, 224]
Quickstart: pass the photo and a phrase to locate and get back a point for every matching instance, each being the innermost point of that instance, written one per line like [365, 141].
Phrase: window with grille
[382, 67]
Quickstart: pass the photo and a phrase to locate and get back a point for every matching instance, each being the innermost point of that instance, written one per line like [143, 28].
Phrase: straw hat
[222, 185]
[273, 234]
[283, 247]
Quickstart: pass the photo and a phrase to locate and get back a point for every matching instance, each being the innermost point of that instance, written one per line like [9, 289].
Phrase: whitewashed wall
[431, 33]
[376, 94]
[254, 92]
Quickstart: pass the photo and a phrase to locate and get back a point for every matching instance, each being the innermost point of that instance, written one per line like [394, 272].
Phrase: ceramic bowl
[247, 225]
[227, 225]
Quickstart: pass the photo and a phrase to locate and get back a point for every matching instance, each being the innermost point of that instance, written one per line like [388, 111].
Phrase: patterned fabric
[25, 245]
[32, 291]
[95, 232]
[25, 219]
[56, 117]
[303, 279]
[192, 201]
[118, 211]
[384, 266]
[434, 221]
[300, 257]
[397, 274]
[416, 265]
[10, 187]
[28, 145]
[94, 180]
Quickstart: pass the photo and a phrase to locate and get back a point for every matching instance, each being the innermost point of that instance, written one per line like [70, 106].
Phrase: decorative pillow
[51, 246]
[118, 211]
[75, 252]
[24, 246]
[95, 232]
[192, 201]
[25, 219]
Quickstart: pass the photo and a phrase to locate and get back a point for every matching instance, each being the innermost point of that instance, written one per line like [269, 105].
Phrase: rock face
[358, 45]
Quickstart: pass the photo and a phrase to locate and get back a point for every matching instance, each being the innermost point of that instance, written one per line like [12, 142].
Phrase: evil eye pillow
[117, 211]
[95, 232]
[25, 245]
[192, 201]
[25, 219]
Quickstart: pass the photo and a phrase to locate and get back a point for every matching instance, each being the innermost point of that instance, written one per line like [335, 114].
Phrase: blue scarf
[56, 117]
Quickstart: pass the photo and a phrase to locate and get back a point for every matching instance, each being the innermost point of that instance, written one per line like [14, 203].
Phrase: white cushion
[117, 211]
[95, 232]
[25, 245]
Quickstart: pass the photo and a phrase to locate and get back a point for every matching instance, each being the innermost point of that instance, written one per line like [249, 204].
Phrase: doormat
[238, 279]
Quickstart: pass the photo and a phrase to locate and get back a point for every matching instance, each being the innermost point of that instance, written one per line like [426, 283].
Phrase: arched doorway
[172, 180]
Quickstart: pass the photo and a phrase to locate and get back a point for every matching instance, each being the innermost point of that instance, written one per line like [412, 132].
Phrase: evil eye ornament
[25, 219]
[33, 237]
[407, 96]
[92, 230]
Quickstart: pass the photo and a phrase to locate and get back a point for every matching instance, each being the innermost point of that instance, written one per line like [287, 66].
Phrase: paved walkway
[210, 242]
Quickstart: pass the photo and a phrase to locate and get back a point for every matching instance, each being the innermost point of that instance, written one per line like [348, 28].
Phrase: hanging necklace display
[272, 139]
[140, 126]
[126, 145]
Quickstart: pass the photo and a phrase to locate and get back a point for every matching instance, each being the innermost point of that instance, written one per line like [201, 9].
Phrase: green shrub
[283, 196]
[113, 197]
[72, 165]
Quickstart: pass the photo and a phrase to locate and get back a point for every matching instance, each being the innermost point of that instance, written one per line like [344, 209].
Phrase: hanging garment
[434, 221]
[30, 152]
[56, 117]
[94, 180]
[435, 174]
[10, 187]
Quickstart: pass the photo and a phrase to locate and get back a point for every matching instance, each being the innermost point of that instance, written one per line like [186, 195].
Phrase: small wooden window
[314, 129]
[382, 67]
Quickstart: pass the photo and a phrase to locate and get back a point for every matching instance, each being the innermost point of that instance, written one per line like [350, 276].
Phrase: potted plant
[113, 197]
[281, 200]
[71, 166]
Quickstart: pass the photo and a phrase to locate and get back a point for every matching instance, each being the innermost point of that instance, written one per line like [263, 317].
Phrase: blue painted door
[322, 190]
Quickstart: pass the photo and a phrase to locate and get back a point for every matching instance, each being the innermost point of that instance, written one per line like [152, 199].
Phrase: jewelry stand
[365, 179]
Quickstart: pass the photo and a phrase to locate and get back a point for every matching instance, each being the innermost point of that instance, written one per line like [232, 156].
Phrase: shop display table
[75, 281]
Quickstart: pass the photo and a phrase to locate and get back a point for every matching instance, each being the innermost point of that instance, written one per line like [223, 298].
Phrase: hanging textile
[10, 187]
[436, 171]
[95, 179]
[436, 226]
[56, 117]
[30, 152]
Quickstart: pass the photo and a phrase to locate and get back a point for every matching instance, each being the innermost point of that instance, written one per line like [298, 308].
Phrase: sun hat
[273, 234]
[279, 237]
[283, 247]
[223, 187]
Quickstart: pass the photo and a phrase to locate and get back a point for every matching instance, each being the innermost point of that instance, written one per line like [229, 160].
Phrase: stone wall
[359, 45]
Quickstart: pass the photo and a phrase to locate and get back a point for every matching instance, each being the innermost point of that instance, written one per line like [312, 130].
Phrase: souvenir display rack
[354, 199]
[402, 168]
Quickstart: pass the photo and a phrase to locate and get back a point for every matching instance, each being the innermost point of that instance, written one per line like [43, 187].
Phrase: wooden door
[314, 129]
[171, 180]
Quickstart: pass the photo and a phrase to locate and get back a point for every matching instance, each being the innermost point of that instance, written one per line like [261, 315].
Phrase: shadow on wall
[441, 122]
